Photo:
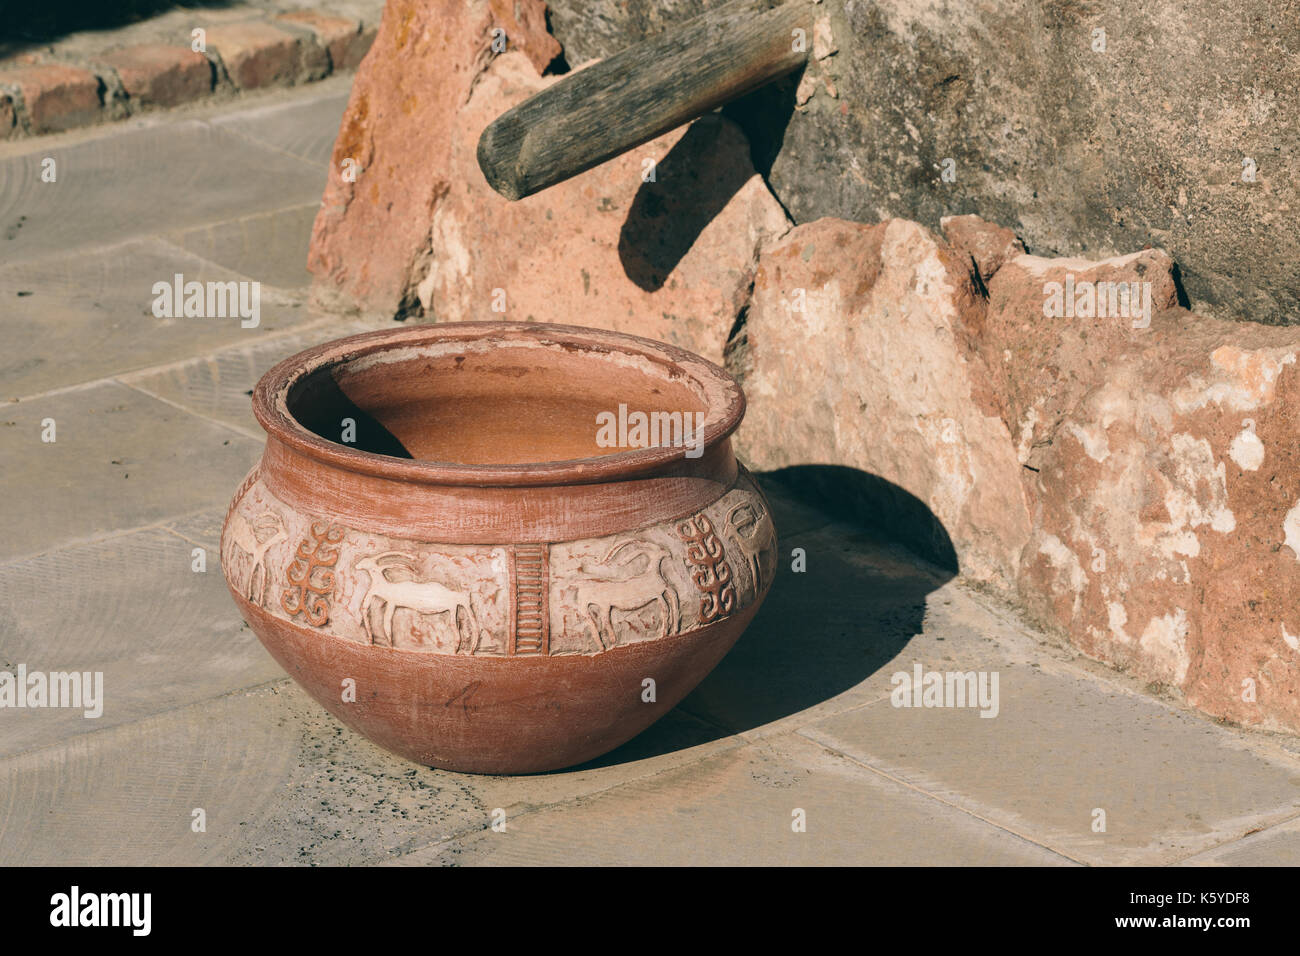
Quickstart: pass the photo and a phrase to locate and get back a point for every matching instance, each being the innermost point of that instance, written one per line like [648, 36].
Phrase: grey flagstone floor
[154, 433]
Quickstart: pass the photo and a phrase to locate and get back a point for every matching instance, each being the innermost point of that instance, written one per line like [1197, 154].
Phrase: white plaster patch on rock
[1111, 403]
[1179, 543]
[807, 87]
[823, 39]
[929, 273]
[1066, 562]
[951, 456]
[1291, 529]
[1093, 439]
[1246, 449]
[1039, 266]
[1243, 379]
[818, 310]
[1156, 411]
[1291, 640]
[1164, 641]
[450, 264]
[1195, 495]
[1027, 434]
[1195, 466]
[1117, 617]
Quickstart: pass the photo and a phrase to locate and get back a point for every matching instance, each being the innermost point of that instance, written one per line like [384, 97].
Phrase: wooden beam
[642, 92]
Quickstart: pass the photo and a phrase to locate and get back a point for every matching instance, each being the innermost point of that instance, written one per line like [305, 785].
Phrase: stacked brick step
[180, 57]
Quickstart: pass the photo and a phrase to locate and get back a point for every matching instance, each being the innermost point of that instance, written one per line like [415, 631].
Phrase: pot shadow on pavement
[874, 553]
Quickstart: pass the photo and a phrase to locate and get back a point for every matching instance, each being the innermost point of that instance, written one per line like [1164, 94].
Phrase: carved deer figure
[422, 597]
[752, 536]
[243, 536]
[611, 587]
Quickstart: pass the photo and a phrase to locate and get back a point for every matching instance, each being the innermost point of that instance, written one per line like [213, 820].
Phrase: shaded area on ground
[824, 631]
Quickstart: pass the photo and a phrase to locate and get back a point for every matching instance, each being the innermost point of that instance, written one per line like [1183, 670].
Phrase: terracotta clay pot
[440, 547]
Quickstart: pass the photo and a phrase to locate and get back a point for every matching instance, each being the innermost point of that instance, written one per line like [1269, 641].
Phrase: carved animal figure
[618, 586]
[244, 536]
[752, 536]
[422, 597]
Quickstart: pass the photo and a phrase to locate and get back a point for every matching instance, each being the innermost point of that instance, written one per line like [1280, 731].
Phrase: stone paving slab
[95, 574]
[158, 178]
[202, 528]
[134, 609]
[120, 460]
[739, 808]
[219, 386]
[1275, 846]
[80, 317]
[302, 128]
[1060, 748]
[125, 795]
[270, 247]
[281, 781]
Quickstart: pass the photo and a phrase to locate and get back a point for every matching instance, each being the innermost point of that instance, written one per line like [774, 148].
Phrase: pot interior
[499, 404]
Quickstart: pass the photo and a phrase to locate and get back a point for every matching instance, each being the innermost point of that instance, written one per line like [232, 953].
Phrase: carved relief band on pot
[489, 542]
[711, 572]
[309, 577]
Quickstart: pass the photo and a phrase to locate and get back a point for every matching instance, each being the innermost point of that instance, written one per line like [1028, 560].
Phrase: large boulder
[1160, 454]
[672, 258]
[1122, 468]
[662, 241]
[854, 356]
[1119, 466]
[1090, 128]
[388, 169]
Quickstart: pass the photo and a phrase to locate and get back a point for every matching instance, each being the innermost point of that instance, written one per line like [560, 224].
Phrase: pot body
[506, 657]
[496, 629]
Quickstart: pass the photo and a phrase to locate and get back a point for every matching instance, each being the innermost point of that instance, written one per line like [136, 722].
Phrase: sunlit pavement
[796, 750]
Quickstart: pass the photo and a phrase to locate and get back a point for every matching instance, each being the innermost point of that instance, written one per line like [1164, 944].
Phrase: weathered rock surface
[524, 28]
[985, 245]
[855, 356]
[672, 258]
[1165, 477]
[1123, 468]
[389, 170]
[1089, 128]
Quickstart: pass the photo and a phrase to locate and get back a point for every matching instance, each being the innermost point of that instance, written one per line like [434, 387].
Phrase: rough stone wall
[1127, 474]
[1082, 151]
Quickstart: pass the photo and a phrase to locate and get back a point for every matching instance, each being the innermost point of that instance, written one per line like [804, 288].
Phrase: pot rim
[721, 394]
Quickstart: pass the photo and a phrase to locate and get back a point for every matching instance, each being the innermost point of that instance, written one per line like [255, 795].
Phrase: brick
[260, 54]
[160, 75]
[336, 34]
[57, 97]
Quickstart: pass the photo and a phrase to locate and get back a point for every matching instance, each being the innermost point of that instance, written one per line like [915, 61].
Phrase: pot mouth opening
[497, 403]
